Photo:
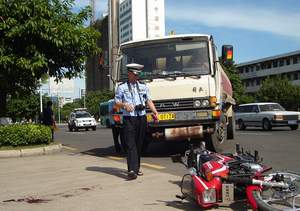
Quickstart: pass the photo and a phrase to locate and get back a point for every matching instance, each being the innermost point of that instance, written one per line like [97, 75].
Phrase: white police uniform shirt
[134, 96]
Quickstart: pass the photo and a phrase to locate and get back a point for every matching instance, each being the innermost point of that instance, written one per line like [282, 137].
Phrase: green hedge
[24, 134]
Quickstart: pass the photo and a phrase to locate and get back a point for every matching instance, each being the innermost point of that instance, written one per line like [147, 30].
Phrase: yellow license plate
[202, 114]
[162, 117]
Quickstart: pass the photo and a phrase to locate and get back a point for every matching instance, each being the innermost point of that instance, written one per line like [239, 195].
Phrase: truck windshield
[165, 59]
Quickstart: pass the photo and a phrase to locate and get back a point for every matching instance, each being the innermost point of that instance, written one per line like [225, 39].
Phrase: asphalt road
[279, 148]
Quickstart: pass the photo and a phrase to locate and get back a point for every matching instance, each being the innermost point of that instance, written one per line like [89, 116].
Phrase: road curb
[31, 152]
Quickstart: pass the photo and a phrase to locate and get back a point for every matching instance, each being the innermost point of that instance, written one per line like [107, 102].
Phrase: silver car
[266, 115]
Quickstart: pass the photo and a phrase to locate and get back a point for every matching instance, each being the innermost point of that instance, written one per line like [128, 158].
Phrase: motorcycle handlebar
[239, 180]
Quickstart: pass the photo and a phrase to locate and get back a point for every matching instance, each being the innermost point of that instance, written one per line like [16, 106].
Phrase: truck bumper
[178, 125]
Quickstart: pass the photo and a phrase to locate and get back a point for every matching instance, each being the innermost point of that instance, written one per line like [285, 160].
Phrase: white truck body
[187, 84]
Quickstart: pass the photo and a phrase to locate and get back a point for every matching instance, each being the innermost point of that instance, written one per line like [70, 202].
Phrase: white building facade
[140, 19]
[252, 73]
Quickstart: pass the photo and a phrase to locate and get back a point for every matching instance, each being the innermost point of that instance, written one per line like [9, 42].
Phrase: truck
[187, 84]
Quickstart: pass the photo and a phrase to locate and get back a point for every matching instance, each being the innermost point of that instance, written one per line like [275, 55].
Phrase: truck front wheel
[214, 141]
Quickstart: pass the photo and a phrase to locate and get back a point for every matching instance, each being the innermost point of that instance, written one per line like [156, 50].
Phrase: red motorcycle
[215, 179]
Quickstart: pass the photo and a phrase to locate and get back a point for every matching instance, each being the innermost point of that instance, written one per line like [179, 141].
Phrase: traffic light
[227, 54]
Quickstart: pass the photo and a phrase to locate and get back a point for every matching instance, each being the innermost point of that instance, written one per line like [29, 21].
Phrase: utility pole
[113, 25]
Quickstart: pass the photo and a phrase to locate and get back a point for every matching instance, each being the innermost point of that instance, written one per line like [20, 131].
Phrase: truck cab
[187, 84]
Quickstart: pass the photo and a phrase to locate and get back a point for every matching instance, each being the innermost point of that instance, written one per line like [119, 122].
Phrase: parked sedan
[266, 115]
[81, 119]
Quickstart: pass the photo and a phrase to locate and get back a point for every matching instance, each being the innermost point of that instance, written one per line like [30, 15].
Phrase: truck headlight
[205, 103]
[197, 103]
[209, 196]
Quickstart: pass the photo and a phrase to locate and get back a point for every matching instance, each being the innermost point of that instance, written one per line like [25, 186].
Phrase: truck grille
[175, 104]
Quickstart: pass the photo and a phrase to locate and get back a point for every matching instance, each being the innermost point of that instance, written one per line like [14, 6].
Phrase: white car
[81, 119]
[266, 115]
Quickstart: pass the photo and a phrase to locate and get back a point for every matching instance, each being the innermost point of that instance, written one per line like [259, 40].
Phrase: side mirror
[176, 158]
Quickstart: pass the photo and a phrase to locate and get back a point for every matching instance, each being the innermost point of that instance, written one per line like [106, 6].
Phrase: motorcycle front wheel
[280, 199]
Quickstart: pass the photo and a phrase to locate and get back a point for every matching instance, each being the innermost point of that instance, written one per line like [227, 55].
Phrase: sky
[256, 28]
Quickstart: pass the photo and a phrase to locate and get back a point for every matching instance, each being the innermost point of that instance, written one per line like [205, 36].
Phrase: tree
[237, 86]
[26, 106]
[280, 90]
[23, 107]
[41, 37]
[93, 100]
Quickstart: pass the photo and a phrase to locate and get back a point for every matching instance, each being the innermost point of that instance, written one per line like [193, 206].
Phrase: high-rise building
[140, 19]
[97, 67]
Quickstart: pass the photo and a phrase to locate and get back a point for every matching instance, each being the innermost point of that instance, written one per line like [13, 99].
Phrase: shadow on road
[121, 173]
[162, 149]
[102, 152]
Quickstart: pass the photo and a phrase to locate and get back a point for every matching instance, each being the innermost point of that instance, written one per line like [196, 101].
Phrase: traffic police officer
[133, 96]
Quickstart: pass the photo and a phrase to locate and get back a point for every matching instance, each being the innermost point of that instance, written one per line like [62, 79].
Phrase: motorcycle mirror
[176, 158]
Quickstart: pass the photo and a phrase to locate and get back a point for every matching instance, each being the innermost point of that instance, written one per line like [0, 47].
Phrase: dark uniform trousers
[134, 134]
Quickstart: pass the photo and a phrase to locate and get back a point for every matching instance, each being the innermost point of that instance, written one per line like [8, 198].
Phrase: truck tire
[231, 128]
[214, 141]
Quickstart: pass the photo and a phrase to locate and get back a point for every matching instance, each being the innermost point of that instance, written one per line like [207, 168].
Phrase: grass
[27, 146]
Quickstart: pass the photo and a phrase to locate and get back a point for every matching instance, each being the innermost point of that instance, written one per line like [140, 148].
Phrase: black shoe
[132, 175]
[118, 149]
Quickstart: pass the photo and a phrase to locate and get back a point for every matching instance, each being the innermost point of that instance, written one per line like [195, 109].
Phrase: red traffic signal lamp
[227, 54]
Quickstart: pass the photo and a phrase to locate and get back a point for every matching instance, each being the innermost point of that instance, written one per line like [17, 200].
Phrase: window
[257, 67]
[295, 76]
[247, 69]
[288, 61]
[275, 63]
[156, 18]
[254, 109]
[241, 70]
[281, 62]
[258, 82]
[166, 58]
[156, 27]
[269, 65]
[295, 60]
[248, 108]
